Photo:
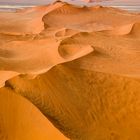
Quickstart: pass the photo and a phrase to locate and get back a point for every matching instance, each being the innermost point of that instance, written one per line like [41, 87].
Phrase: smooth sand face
[78, 67]
[21, 120]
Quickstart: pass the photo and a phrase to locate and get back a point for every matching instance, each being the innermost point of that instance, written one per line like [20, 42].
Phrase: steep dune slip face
[69, 72]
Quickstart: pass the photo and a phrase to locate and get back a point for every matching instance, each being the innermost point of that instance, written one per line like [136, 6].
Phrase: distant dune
[78, 67]
[94, 0]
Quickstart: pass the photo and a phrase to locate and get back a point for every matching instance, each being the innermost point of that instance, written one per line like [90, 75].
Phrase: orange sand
[78, 67]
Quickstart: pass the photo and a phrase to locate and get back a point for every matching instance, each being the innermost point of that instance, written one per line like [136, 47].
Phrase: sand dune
[95, 18]
[128, 29]
[19, 119]
[27, 21]
[66, 33]
[135, 30]
[78, 67]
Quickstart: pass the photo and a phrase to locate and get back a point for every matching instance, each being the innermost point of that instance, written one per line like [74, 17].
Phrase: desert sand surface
[69, 72]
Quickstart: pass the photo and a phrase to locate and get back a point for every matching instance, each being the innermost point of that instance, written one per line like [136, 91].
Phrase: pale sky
[131, 2]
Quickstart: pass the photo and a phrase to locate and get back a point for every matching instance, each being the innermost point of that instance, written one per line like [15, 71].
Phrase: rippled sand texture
[77, 67]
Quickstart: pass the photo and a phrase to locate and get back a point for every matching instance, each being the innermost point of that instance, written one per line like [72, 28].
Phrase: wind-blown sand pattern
[78, 67]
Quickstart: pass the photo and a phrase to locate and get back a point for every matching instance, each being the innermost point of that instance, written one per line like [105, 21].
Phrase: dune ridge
[78, 66]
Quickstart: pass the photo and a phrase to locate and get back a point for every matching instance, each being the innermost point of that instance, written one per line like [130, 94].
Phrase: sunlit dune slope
[84, 103]
[19, 119]
[78, 67]
[27, 21]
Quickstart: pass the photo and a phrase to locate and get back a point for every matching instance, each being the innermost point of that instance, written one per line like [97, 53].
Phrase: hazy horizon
[36, 2]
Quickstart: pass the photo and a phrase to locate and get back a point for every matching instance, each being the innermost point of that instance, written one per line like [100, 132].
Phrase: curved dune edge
[130, 29]
[25, 120]
[69, 61]
[62, 104]
[26, 21]
[49, 50]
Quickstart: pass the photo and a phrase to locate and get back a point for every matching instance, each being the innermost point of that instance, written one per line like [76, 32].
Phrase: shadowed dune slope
[84, 103]
[78, 67]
